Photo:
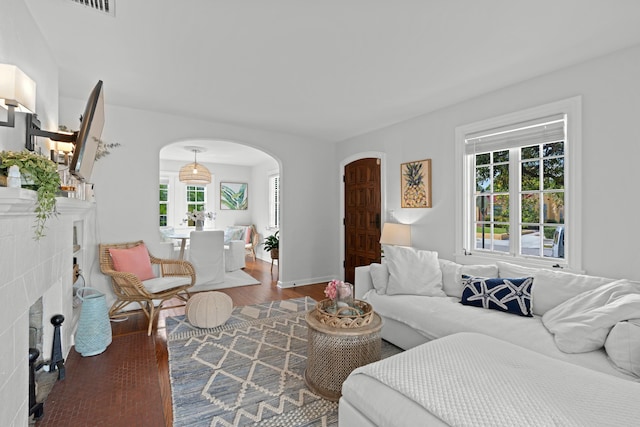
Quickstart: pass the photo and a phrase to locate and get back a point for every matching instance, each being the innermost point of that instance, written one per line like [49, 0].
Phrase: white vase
[199, 224]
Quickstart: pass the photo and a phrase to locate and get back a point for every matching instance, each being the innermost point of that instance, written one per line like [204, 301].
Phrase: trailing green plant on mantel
[41, 174]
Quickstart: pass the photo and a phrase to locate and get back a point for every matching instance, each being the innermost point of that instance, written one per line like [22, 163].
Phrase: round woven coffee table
[332, 353]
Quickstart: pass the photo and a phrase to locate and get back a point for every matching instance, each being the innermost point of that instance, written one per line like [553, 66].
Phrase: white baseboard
[303, 282]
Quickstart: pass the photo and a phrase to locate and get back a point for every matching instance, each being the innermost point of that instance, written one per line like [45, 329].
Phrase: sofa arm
[363, 281]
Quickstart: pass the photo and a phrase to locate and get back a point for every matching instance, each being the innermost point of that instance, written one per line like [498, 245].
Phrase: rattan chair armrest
[175, 267]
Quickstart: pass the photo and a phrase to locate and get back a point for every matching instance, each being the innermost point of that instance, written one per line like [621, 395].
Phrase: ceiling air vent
[107, 7]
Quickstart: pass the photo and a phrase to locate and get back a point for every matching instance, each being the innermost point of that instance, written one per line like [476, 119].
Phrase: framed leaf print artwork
[415, 184]
[234, 196]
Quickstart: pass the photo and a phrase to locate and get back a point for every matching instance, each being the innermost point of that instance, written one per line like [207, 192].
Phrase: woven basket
[94, 328]
[345, 317]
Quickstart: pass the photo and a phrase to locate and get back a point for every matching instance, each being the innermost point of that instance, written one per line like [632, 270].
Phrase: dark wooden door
[362, 215]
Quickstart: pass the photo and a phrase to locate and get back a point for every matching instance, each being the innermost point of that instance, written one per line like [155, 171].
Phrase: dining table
[183, 237]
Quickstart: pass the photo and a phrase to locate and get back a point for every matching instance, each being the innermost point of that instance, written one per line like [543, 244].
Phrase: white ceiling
[328, 69]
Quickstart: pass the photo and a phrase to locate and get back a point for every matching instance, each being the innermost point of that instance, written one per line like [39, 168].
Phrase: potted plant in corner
[39, 174]
[272, 245]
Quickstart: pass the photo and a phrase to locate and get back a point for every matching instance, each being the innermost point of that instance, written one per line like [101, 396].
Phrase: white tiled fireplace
[30, 269]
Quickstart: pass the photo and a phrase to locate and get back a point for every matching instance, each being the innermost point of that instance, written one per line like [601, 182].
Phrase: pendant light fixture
[195, 173]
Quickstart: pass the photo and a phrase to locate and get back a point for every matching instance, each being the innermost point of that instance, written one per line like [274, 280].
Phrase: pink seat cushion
[247, 235]
[133, 260]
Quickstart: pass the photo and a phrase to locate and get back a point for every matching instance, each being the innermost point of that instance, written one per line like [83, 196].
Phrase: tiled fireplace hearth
[30, 270]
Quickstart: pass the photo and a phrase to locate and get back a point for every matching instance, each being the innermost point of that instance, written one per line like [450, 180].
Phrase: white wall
[610, 90]
[28, 269]
[126, 184]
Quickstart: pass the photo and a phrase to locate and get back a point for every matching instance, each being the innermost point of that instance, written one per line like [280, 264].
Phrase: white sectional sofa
[581, 324]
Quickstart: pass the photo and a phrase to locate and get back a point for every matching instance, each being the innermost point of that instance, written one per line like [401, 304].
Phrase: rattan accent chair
[128, 288]
[253, 242]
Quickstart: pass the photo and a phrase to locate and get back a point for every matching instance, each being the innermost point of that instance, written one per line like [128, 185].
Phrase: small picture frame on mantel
[415, 184]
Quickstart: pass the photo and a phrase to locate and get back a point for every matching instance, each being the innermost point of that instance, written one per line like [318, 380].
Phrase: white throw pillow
[582, 323]
[552, 288]
[623, 346]
[510, 271]
[452, 275]
[379, 277]
[413, 272]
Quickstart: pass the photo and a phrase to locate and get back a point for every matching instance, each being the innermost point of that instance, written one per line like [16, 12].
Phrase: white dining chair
[206, 253]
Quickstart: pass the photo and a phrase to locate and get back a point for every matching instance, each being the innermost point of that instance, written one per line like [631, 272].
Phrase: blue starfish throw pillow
[509, 295]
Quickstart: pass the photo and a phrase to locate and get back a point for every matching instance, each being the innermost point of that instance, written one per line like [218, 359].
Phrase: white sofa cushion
[379, 277]
[452, 275]
[159, 284]
[439, 317]
[623, 345]
[582, 323]
[550, 287]
[413, 272]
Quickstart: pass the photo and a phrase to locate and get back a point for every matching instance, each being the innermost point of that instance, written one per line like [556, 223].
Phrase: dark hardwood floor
[128, 384]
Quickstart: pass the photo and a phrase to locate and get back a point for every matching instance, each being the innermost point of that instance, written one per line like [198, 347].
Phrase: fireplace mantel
[20, 200]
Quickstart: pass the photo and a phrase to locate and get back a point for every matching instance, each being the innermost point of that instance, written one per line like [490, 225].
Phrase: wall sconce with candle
[17, 92]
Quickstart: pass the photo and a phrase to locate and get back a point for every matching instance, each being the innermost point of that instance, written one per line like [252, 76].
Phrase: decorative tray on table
[358, 314]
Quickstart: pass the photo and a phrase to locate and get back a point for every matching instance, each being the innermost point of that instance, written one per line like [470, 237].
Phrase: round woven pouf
[209, 309]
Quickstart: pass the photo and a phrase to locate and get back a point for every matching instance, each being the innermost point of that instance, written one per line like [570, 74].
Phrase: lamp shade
[195, 173]
[17, 89]
[396, 234]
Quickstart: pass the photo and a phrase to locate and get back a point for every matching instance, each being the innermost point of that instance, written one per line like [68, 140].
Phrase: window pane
[483, 204]
[200, 196]
[483, 179]
[553, 173]
[532, 152]
[530, 176]
[501, 209]
[554, 208]
[501, 156]
[553, 149]
[501, 238]
[530, 240]
[483, 159]
[501, 178]
[163, 209]
[556, 245]
[163, 221]
[530, 208]
[191, 196]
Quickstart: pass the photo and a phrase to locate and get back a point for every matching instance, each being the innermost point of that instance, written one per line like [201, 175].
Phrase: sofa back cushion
[551, 288]
[452, 275]
[413, 272]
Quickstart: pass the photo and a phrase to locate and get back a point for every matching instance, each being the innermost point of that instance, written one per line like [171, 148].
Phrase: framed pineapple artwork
[415, 183]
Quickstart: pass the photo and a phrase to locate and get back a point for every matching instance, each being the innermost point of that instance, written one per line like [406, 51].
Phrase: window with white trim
[164, 204]
[274, 201]
[196, 200]
[519, 186]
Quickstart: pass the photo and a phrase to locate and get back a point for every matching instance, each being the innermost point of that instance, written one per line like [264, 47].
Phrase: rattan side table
[332, 353]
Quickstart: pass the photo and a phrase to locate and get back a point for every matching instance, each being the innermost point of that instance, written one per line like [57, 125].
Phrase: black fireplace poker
[36, 409]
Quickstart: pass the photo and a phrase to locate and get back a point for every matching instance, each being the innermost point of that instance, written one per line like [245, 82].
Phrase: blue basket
[94, 329]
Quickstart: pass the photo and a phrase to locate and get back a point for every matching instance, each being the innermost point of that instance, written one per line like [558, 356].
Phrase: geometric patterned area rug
[249, 371]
